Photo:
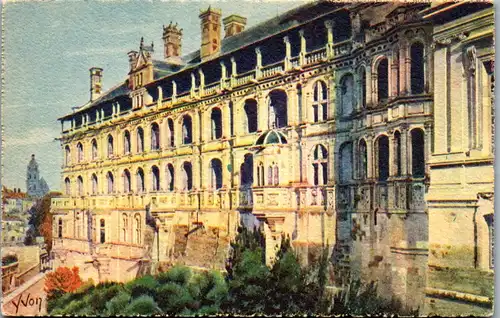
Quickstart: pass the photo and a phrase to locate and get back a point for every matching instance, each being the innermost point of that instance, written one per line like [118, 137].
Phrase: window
[260, 175]
[278, 116]
[94, 184]
[216, 123]
[67, 186]
[126, 142]
[80, 185]
[382, 80]
[155, 136]
[216, 174]
[269, 175]
[67, 158]
[111, 182]
[126, 181]
[320, 165]
[320, 102]
[345, 162]
[383, 158]
[137, 229]
[417, 153]
[362, 86]
[397, 152]
[124, 227]
[231, 118]
[276, 175]
[140, 140]
[171, 134]
[102, 224]
[140, 180]
[94, 149]
[110, 146]
[170, 177]
[60, 228]
[187, 130]
[346, 95]
[251, 115]
[417, 68]
[363, 160]
[79, 148]
[188, 176]
[490, 221]
[299, 101]
[155, 177]
[246, 171]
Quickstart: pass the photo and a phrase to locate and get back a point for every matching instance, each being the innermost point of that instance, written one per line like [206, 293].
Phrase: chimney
[172, 42]
[95, 83]
[234, 24]
[210, 33]
[132, 59]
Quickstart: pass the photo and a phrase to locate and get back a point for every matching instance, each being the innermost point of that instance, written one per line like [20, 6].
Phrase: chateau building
[364, 127]
[36, 186]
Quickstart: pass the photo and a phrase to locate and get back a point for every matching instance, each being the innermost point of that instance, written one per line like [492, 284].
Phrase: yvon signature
[28, 301]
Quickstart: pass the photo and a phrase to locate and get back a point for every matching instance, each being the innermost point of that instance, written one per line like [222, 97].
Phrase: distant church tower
[36, 186]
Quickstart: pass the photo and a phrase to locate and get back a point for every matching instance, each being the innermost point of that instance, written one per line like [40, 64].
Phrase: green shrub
[177, 274]
[144, 285]
[116, 304]
[143, 305]
[173, 298]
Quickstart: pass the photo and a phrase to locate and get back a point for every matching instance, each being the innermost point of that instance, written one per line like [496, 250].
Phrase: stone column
[262, 111]
[394, 75]
[403, 70]
[332, 97]
[158, 102]
[223, 75]
[302, 54]
[293, 106]
[174, 92]
[368, 85]
[258, 65]
[392, 155]
[226, 120]
[288, 53]
[329, 45]
[233, 71]
[428, 145]
[405, 168]
[370, 156]
[202, 82]
[192, 92]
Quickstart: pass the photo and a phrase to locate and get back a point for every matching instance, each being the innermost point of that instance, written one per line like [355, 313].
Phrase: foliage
[40, 221]
[142, 305]
[358, 299]
[63, 279]
[9, 259]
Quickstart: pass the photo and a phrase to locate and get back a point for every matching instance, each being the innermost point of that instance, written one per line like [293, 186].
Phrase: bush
[173, 298]
[143, 305]
[62, 280]
[177, 274]
[144, 285]
[116, 304]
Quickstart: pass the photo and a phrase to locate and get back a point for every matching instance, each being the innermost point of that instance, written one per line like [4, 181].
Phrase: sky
[49, 47]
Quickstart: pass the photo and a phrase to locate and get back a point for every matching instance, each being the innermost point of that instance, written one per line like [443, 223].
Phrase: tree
[40, 221]
[62, 280]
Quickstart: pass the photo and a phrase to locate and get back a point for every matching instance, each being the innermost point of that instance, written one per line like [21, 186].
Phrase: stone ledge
[442, 293]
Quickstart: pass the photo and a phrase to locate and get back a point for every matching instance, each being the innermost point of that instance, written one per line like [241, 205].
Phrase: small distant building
[36, 186]
[16, 203]
[13, 230]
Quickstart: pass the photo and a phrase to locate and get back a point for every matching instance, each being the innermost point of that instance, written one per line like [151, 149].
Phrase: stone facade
[321, 125]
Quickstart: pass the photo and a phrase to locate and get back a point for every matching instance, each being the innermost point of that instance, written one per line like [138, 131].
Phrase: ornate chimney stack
[210, 33]
[95, 83]
[234, 24]
[132, 59]
[172, 42]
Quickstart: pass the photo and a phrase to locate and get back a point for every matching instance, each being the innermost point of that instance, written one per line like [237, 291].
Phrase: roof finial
[142, 42]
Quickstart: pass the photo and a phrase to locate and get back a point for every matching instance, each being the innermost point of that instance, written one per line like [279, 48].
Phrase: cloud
[39, 135]
[96, 51]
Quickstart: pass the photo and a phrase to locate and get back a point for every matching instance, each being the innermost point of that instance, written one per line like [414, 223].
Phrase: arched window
[216, 122]
[397, 152]
[67, 157]
[124, 228]
[187, 130]
[276, 175]
[417, 153]
[382, 80]
[94, 149]
[60, 228]
[320, 165]
[278, 109]
[345, 162]
[383, 158]
[137, 229]
[251, 115]
[140, 140]
[363, 160]
[362, 86]
[111, 182]
[79, 184]
[155, 178]
[417, 68]
[126, 142]
[102, 226]
[94, 184]
[246, 171]
[110, 146]
[170, 177]
[155, 136]
[79, 148]
[260, 175]
[126, 181]
[320, 102]
[216, 174]
[67, 186]
[171, 132]
[188, 176]
[140, 180]
[346, 95]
